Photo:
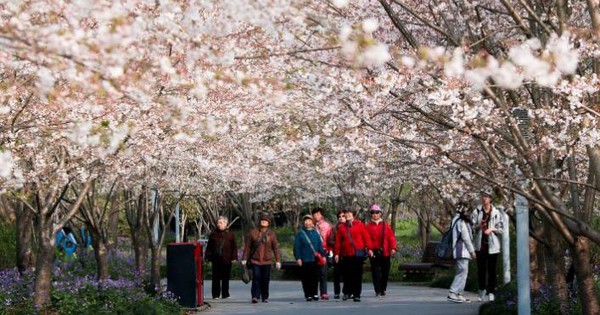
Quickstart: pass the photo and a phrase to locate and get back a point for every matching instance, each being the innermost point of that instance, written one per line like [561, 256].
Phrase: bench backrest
[429, 255]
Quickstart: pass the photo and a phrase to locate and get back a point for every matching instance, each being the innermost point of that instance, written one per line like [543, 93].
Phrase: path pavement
[287, 299]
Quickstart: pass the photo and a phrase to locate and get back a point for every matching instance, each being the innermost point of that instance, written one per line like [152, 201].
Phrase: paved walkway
[287, 298]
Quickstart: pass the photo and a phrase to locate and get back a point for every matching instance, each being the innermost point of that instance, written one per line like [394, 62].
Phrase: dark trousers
[352, 273]
[310, 276]
[260, 281]
[220, 279]
[486, 267]
[337, 278]
[380, 272]
[322, 279]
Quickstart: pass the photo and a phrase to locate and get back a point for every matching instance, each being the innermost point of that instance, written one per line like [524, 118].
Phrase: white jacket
[462, 239]
[496, 221]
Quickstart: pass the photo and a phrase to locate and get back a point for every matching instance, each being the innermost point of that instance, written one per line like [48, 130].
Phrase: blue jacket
[302, 249]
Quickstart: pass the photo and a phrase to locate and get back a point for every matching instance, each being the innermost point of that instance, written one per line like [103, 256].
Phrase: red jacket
[382, 237]
[360, 237]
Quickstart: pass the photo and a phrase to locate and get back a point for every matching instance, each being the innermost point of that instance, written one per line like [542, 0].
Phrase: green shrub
[8, 243]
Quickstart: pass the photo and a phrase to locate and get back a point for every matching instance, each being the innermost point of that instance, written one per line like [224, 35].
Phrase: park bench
[429, 262]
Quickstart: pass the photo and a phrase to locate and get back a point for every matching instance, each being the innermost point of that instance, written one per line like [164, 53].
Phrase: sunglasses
[375, 212]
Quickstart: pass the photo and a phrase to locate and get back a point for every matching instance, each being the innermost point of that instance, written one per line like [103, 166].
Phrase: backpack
[443, 250]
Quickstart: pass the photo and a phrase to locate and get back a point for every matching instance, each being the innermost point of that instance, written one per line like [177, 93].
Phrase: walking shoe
[382, 293]
[463, 298]
[265, 301]
[254, 300]
[345, 297]
[216, 298]
[491, 297]
[452, 297]
[337, 296]
[481, 295]
[377, 294]
[316, 297]
[308, 299]
[324, 297]
[356, 299]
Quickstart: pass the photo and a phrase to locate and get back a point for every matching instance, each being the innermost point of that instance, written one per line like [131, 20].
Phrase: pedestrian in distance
[463, 251]
[325, 231]
[221, 251]
[488, 223]
[260, 252]
[307, 243]
[352, 246]
[384, 244]
[337, 265]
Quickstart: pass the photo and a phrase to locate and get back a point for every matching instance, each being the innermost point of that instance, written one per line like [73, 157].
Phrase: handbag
[246, 274]
[359, 253]
[330, 261]
[320, 260]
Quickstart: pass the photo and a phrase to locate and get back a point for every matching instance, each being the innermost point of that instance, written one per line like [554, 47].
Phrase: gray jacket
[496, 221]
[462, 239]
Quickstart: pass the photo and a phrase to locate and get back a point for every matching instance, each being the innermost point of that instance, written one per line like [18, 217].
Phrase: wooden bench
[429, 262]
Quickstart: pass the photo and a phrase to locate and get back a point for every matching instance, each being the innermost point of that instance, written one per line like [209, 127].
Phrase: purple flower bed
[75, 290]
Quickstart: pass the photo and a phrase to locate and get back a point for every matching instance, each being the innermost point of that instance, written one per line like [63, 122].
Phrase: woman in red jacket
[353, 244]
[384, 246]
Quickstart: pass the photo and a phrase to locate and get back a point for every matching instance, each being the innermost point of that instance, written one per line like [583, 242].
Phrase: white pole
[154, 196]
[523, 288]
[177, 228]
[506, 247]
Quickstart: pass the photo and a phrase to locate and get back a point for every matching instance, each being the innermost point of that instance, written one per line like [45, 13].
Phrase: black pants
[352, 273]
[337, 278]
[220, 279]
[260, 281]
[486, 270]
[322, 279]
[310, 276]
[380, 272]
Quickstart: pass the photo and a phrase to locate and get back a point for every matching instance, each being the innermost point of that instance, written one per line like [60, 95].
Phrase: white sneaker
[481, 295]
[452, 297]
[463, 298]
[491, 297]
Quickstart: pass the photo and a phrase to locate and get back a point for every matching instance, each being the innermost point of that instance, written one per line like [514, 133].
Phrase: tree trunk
[135, 213]
[113, 224]
[155, 272]
[101, 255]
[585, 277]
[556, 271]
[536, 265]
[394, 211]
[45, 259]
[140, 249]
[25, 256]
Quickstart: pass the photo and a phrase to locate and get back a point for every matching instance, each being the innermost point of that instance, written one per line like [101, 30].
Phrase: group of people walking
[476, 236]
[346, 246]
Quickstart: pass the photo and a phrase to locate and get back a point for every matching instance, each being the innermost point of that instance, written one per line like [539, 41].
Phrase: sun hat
[486, 191]
[307, 216]
[375, 207]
